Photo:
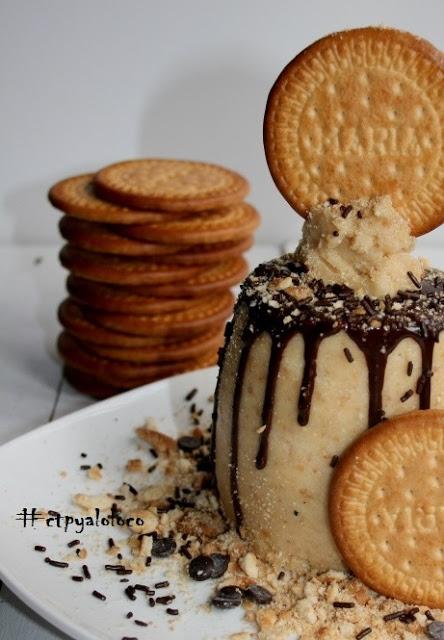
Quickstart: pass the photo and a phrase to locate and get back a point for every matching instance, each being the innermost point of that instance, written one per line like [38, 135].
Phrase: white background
[88, 82]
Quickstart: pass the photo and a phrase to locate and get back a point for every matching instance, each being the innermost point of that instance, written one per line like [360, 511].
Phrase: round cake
[325, 342]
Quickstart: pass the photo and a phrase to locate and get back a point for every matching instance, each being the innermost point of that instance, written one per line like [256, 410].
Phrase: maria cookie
[359, 114]
[124, 271]
[223, 225]
[123, 375]
[170, 185]
[74, 318]
[101, 238]
[210, 312]
[387, 508]
[106, 297]
[77, 197]
[214, 278]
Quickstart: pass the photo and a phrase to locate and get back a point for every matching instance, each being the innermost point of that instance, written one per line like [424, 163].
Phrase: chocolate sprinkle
[131, 489]
[129, 614]
[429, 615]
[348, 355]
[343, 605]
[39, 548]
[129, 592]
[190, 395]
[56, 563]
[395, 615]
[165, 599]
[162, 585]
[86, 572]
[85, 467]
[408, 394]
[414, 279]
[410, 368]
[141, 623]
[172, 612]
[365, 632]
[334, 461]
[73, 543]
[98, 595]
[346, 210]
[77, 578]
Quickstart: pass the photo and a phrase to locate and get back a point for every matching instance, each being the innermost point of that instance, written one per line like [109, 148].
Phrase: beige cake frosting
[311, 362]
[369, 253]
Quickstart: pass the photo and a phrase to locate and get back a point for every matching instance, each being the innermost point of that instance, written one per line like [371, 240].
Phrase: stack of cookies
[153, 248]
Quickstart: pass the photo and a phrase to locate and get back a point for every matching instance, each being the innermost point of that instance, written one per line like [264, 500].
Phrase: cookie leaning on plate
[387, 508]
[170, 185]
[358, 114]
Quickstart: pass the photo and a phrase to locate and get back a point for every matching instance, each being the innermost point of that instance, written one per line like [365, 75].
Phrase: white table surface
[32, 391]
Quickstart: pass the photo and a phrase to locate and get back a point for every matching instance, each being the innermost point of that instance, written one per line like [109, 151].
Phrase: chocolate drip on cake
[235, 433]
[283, 302]
[277, 349]
[312, 340]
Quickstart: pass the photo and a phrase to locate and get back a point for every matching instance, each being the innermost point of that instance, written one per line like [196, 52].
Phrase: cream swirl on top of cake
[364, 245]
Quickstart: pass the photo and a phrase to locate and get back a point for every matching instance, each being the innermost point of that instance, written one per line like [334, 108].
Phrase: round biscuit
[386, 508]
[188, 322]
[170, 185]
[123, 270]
[223, 225]
[360, 113]
[77, 197]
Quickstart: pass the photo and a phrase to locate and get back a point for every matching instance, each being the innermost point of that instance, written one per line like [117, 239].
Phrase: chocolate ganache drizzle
[317, 311]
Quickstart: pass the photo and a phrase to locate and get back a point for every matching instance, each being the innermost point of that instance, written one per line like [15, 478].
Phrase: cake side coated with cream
[307, 368]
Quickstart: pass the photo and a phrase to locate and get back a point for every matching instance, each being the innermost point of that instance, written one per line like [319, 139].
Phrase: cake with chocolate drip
[325, 342]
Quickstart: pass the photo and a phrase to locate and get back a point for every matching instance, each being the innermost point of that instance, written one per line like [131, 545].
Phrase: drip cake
[343, 333]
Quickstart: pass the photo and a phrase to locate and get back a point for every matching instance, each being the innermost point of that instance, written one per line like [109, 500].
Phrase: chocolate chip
[258, 594]
[201, 568]
[220, 564]
[435, 630]
[189, 443]
[227, 598]
[163, 547]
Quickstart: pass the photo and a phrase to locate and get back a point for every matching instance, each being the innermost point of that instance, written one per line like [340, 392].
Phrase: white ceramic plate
[42, 469]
